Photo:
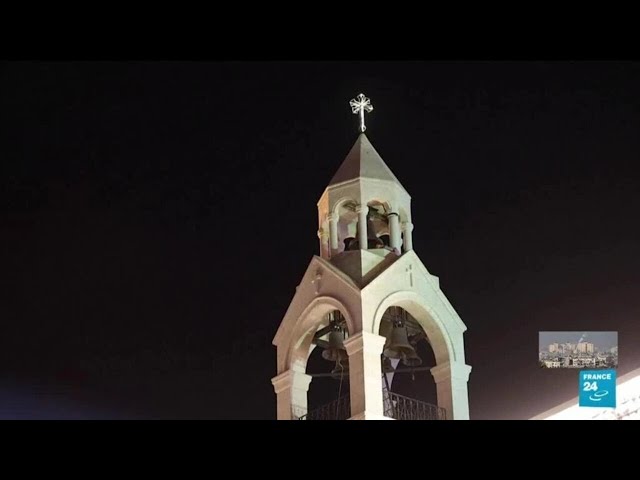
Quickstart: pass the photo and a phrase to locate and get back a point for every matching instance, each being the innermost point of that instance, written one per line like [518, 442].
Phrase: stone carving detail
[316, 281]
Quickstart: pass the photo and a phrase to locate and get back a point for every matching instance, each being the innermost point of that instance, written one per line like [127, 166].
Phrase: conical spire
[363, 161]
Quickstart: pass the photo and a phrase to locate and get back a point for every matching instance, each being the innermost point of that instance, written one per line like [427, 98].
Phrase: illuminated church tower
[366, 300]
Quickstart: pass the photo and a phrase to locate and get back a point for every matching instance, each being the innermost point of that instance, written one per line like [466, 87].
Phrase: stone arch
[347, 219]
[377, 201]
[439, 336]
[299, 344]
[335, 210]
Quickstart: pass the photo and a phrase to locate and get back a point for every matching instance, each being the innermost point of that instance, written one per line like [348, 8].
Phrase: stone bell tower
[366, 272]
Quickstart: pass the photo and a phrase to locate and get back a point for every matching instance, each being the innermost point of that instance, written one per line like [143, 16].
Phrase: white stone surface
[363, 161]
[291, 388]
[365, 373]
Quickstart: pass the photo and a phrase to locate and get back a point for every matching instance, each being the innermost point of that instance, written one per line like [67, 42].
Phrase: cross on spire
[359, 105]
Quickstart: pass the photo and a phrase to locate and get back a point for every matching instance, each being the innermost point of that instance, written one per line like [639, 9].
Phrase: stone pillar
[408, 238]
[451, 384]
[362, 211]
[291, 389]
[333, 233]
[365, 375]
[394, 231]
[323, 235]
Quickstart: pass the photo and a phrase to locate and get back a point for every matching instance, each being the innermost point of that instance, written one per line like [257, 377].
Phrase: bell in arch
[335, 350]
[372, 239]
[398, 345]
[411, 359]
[350, 243]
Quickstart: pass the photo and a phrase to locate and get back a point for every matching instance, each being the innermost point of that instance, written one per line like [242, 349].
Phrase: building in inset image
[578, 349]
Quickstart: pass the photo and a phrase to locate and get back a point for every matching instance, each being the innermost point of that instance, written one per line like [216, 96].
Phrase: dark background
[155, 218]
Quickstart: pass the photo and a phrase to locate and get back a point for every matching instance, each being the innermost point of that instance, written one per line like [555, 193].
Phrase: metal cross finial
[360, 104]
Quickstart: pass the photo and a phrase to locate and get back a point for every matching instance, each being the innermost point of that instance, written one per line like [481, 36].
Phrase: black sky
[157, 216]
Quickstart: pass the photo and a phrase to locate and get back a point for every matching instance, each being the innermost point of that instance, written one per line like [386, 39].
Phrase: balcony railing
[405, 408]
[396, 406]
[339, 409]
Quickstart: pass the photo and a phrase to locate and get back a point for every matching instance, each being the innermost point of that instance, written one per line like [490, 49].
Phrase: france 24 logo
[597, 388]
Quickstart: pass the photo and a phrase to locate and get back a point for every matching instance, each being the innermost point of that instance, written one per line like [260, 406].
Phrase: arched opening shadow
[418, 384]
[324, 389]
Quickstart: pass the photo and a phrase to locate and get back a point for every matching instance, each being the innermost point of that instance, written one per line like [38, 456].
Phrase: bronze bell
[335, 351]
[411, 359]
[372, 239]
[398, 345]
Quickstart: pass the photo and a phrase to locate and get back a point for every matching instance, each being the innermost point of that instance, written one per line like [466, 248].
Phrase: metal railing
[339, 409]
[400, 407]
[396, 406]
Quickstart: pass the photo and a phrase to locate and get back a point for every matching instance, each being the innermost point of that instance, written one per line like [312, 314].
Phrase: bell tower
[366, 300]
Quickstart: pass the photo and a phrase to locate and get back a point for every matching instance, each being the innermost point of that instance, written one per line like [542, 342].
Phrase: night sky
[156, 218]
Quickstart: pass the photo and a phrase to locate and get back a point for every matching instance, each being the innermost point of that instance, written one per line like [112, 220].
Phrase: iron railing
[400, 407]
[396, 406]
[339, 409]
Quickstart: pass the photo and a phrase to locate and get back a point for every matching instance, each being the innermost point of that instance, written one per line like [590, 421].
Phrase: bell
[411, 359]
[340, 370]
[398, 345]
[372, 240]
[350, 243]
[335, 351]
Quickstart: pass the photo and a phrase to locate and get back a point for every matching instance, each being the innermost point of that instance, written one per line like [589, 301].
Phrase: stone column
[362, 211]
[333, 232]
[451, 384]
[323, 235]
[365, 375]
[394, 231]
[291, 389]
[408, 238]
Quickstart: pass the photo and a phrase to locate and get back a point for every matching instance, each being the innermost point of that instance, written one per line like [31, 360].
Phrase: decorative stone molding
[454, 371]
[316, 281]
[283, 381]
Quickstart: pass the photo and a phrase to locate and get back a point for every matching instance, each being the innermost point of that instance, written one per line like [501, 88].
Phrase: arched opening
[409, 390]
[328, 365]
[378, 233]
[347, 225]
[308, 332]
[379, 216]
